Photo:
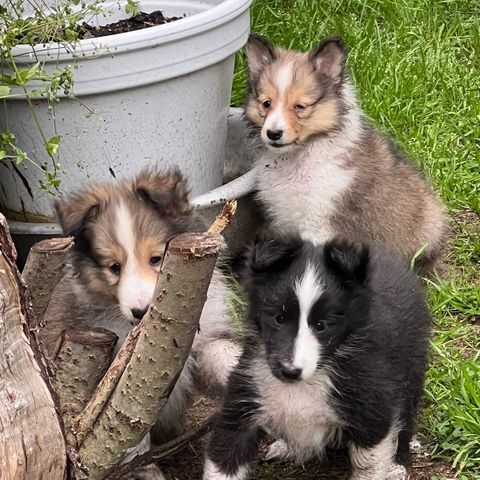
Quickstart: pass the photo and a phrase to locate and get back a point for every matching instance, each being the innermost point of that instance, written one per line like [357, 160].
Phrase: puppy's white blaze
[284, 78]
[307, 349]
[134, 291]
[211, 472]
[274, 121]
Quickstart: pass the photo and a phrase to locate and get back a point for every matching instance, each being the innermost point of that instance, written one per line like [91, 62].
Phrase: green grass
[416, 66]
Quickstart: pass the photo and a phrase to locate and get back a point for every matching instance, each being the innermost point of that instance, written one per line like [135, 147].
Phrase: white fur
[278, 450]
[307, 349]
[299, 188]
[275, 119]
[284, 78]
[215, 351]
[211, 472]
[297, 412]
[134, 291]
[375, 463]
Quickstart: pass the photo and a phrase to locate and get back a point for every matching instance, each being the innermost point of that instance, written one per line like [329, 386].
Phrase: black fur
[372, 323]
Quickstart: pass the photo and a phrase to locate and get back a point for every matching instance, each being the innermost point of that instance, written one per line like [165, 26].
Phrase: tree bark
[32, 444]
[82, 359]
[165, 337]
[44, 269]
[100, 397]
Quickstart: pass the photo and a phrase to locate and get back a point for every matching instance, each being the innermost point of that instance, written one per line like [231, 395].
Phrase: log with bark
[43, 270]
[163, 344]
[129, 399]
[32, 444]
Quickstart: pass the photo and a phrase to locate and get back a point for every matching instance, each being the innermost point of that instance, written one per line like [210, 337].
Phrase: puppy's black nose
[274, 134]
[138, 313]
[290, 372]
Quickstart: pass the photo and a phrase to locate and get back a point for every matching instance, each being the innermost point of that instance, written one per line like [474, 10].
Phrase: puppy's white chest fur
[299, 413]
[300, 189]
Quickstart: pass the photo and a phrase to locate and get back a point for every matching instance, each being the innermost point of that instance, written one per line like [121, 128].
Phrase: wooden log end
[224, 218]
[196, 244]
[53, 245]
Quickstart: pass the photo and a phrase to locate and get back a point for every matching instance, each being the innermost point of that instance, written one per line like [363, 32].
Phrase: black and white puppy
[335, 355]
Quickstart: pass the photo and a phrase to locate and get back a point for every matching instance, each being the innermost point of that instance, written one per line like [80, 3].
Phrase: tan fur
[146, 212]
[390, 203]
[331, 173]
[304, 90]
[157, 197]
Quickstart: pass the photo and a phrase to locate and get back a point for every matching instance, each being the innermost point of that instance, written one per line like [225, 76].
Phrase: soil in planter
[137, 22]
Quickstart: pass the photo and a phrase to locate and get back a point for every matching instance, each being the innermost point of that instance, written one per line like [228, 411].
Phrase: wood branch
[82, 359]
[163, 345]
[44, 269]
[157, 454]
[96, 404]
[32, 444]
[223, 219]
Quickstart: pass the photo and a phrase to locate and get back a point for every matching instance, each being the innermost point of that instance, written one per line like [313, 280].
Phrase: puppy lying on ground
[335, 355]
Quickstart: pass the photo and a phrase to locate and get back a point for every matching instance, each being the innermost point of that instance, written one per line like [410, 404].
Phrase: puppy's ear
[273, 255]
[260, 52]
[167, 193]
[347, 262]
[74, 212]
[329, 58]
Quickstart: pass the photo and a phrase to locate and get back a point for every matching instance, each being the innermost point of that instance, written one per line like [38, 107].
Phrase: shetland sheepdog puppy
[120, 233]
[335, 356]
[326, 171]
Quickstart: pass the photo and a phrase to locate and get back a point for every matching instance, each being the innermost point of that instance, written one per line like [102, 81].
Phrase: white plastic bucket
[159, 97]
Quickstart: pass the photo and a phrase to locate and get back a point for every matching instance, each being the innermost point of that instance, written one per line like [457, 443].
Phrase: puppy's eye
[155, 260]
[320, 326]
[115, 268]
[279, 318]
[267, 104]
[299, 108]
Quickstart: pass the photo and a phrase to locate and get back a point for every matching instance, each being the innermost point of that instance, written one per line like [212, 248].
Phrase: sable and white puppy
[336, 355]
[120, 233]
[326, 171]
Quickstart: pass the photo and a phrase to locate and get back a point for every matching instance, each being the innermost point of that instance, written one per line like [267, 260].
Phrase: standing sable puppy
[326, 171]
[335, 355]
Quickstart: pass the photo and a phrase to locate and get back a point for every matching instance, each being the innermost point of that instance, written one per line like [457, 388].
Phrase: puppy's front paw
[397, 472]
[278, 450]
[150, 472]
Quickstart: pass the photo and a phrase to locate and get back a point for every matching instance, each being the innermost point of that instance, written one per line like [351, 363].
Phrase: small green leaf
[3, 154]
[52, 145]
[4, 91]
[132, 7]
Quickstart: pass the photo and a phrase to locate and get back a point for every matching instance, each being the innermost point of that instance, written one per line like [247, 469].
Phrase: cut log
[82, 360]
[32, 444]
[44, 269]
[100, 397]
[165, 337]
